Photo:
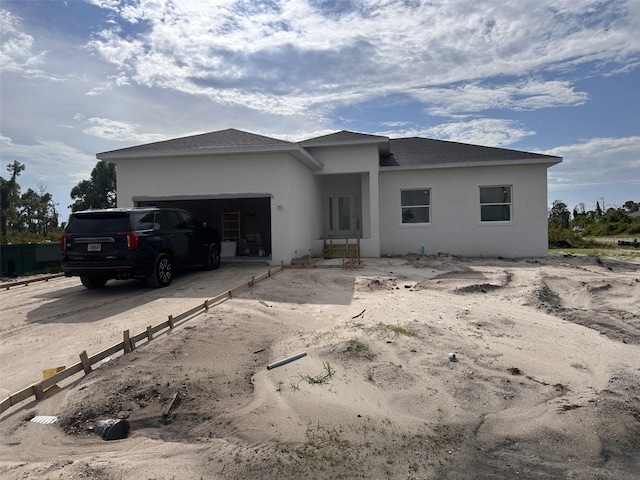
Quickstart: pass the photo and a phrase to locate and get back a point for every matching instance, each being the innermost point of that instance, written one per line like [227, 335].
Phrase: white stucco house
[279, 199]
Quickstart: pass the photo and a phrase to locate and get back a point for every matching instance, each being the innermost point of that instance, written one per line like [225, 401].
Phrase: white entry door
[344, 215]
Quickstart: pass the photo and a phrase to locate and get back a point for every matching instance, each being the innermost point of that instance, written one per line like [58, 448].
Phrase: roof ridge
[344, 136]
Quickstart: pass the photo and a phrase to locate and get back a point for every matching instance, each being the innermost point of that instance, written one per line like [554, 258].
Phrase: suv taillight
[63, 242]
[132, 240]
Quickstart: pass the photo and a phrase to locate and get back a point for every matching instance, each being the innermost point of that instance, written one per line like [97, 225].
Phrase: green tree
[97, 192]
[9, 199]
[559, 214]
[595, 223]
[37, 212]
[598, 209]
[630, 206]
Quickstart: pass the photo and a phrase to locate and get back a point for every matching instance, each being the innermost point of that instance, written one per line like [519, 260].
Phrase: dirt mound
[481, 288]
[607, 306]
[533, 394]
[476, 281]
[366, 284]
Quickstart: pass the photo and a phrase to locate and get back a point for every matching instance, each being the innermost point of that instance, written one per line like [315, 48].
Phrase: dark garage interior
[245, 221]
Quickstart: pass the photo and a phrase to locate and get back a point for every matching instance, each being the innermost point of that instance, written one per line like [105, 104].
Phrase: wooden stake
[38, 391]
[128, 347]
[84, 359]
[167, 408]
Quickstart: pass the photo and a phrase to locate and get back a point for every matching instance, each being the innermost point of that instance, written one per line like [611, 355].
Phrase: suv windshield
[98, 222]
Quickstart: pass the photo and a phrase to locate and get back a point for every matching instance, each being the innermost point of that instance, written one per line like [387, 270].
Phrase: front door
[344, 215]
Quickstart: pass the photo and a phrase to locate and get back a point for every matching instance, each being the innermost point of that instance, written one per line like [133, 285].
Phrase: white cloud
[395, 124]
[139, 71]
[47, 160]
[289, 56]
[21, 54]
[598, 161]
[520, 96]
[16, 48]
[116, 130]
[600, 169]
[117, 50]
[482, 131]
[113, 81]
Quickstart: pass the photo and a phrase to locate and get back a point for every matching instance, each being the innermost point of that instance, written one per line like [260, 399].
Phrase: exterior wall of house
[346, 159]
[296, 213]
[337, 185]
[354, 159]
[455, 225]
[304, 208]
[299, 196]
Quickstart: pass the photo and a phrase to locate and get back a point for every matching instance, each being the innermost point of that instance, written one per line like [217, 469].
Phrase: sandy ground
[546, 384]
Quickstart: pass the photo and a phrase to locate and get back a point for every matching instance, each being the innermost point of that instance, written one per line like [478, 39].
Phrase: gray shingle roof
[400, 153]
[223, 142]
[343, 137]
[223, 139]
[415, 152]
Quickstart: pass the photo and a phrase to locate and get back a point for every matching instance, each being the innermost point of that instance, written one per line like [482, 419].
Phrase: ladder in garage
[230, 226]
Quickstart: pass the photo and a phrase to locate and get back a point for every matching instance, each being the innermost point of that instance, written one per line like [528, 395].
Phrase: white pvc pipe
[284, 361]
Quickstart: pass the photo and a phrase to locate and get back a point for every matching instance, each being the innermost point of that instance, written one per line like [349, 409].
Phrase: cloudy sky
[80, 77]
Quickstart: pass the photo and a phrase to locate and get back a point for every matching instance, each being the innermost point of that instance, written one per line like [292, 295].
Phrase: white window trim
[430, 206]
[496, 222]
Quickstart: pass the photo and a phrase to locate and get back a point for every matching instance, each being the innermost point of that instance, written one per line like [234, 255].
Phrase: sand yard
[546, 382]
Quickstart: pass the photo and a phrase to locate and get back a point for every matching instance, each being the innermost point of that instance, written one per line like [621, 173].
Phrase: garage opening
[244, 223]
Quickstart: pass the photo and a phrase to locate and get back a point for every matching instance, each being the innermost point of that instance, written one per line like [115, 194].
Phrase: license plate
[94, 247]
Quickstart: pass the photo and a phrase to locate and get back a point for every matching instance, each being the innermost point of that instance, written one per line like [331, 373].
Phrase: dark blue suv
[147, 243]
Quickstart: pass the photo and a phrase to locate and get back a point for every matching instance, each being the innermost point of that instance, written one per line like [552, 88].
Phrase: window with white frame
[495, 203]
[415, 205]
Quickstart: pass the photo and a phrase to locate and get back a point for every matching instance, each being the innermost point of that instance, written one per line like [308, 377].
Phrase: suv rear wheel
[213, 260]
[162, 273]
[93, 282]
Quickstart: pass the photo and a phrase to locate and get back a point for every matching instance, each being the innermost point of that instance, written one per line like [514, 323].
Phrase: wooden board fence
[127, 345]
[8, 285]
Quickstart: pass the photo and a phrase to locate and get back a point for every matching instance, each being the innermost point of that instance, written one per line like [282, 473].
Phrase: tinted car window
[143, 221]
[168, 220]
[98, 223]
[188, 221]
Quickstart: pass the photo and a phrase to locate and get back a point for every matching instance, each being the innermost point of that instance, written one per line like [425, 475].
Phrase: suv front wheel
[213, 260]
[162, 272]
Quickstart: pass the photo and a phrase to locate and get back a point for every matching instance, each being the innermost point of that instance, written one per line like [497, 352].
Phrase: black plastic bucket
[112, 429]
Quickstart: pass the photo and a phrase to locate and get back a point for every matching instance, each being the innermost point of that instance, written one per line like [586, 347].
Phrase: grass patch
[323, 377]
[358, 349]
[612, 252]
[398, 330]
[326, 450]
[371, 372]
